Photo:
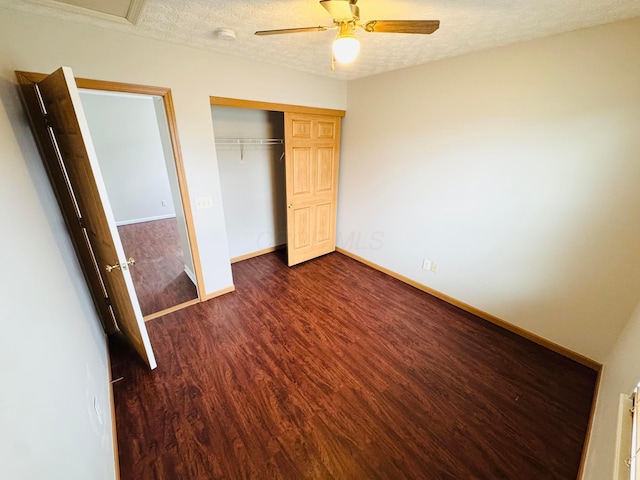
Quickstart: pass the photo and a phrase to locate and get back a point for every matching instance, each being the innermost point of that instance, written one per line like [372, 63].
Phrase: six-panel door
[312, 145]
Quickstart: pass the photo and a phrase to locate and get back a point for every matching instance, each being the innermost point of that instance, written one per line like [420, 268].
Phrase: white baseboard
[191, 275]
[145, 219]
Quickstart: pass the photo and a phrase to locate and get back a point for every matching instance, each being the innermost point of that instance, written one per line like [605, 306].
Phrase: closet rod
[249, 141]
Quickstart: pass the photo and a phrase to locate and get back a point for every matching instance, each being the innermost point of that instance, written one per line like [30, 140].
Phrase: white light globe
[346, 49]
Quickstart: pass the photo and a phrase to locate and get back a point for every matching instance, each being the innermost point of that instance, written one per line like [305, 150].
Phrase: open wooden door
[312, 145]
[78, 183]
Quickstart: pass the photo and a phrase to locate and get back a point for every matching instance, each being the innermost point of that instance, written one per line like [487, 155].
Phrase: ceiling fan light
[346, 49]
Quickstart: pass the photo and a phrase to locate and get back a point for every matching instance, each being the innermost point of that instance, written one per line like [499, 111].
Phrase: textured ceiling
[119, 8]
[466, 26]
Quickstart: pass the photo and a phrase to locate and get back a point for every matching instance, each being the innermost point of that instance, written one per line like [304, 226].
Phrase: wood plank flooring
[158, 275]
[332, 370]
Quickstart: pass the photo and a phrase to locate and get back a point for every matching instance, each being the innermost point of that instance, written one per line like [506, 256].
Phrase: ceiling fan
[346, 18]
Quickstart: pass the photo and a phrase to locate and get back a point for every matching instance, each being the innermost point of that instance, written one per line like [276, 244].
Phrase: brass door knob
[116, 266]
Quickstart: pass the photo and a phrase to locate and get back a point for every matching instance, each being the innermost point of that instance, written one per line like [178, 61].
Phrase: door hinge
[81, 222]
[107, 300]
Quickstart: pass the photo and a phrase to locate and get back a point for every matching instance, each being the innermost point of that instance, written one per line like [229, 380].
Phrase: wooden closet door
[312, 144]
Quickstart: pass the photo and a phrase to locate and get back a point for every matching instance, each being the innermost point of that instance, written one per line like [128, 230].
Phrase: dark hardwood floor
[158, 275]
[332, 370]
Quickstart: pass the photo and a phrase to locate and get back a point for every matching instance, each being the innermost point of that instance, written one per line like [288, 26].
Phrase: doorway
[132, 142]
[93, 270]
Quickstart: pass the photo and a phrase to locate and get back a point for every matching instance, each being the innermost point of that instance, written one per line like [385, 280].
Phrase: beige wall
[52, 352]
[620, 375]
[125, 133]
[516, 170]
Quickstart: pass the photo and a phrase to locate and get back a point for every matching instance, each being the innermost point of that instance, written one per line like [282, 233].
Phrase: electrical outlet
[163, 203]
[429, 265]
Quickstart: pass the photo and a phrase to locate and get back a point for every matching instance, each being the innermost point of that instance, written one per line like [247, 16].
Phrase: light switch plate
[204, 202]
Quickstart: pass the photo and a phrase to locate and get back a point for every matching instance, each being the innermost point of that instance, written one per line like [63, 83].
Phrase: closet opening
[251, 161]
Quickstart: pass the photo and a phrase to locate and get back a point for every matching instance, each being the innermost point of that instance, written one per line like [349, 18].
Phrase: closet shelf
[249, 141]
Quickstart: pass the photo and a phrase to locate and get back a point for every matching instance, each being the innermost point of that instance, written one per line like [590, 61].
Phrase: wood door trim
[273, 107]
[184, 191]
[167, 311]
[575, 356]
[167, 98]
[104, 85]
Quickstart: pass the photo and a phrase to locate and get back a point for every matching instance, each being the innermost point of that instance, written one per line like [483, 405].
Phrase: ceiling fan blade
[340, 10]
[293, 30]
[402, 26]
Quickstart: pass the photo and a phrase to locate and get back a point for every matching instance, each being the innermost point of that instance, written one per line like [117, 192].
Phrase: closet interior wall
[252, 177]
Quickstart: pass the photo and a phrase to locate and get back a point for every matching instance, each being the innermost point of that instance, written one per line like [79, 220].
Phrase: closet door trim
[273, 107]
